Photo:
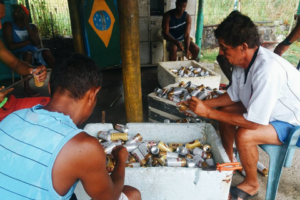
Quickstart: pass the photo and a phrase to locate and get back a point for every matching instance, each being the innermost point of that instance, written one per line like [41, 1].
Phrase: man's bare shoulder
[166, 15]
[7, 25]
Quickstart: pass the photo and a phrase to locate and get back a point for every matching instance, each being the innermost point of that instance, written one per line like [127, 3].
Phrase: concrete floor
[289, 187]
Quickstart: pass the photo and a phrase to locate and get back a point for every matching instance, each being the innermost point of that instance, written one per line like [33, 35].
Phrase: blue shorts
[283, 129]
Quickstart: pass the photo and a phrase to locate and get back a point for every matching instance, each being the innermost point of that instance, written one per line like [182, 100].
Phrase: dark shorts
[283, 129]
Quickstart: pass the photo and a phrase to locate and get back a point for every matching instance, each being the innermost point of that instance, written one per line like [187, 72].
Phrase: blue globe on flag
[102, 20]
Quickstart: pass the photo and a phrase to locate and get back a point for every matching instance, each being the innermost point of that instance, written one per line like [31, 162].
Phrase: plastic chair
[180, 54]
[280, 155]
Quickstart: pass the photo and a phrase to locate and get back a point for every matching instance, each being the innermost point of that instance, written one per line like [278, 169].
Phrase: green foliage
[41, 10]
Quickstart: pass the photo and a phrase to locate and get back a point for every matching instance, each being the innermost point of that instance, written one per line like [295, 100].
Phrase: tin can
[168, 154]
[195, 92]
[131, 159]
[188, 84]
[122, 128]
[196, 120]
[206, 148]
[119, 136]
[193, 144]
[108, 149]
[181, 84]
[143, 148]
[198, 160]
[174, 146]
[162, 160]
[178, 90]
[131, 147]
[104, 135]
[204, 165]
[174, 98]
[210, 162]
[202, 153]
[110, 162]
[190, 163]
[154, 150]
[139, 156]
[100, 140]
[113, 131]
[150, 144]
[176, 162]
[190, 68]
[164, 147]
[133, 165]
[118, 142]
[148, 156]
[262, 169]
[202, 95]
[155, 162]
[167, 121]
[182, 107]
[182, 151]
[189, 156]
[137, 138]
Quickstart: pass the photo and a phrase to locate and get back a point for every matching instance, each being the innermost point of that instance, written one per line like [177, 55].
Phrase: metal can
[182, 151]
[137, 138]
[206, 148]
[113, 131]
[190, 68]
[188, 84]
[182, 107]
[164, 147]
[118, 142]
[198, 160]
[210, 162]
[131, 147]
[190, 163]
[262, 169]
[195, 92]
[201, 152]
[150, 144]
[154, 150]
[189, 156]
[133, 165]
[108, 149]
[176, 162]
[122, 128]
[186, 120]
[193, 144]
[104, 135]
[119, 136]
[174, 146]
[181, 84]
[162, 160]
[178, 90]
[174, 98]
[131, 159]
[110, 162]
[168, 154]
[202, 95]
[155, 162]
[139, 156]
[204, 165]
[143, 148]
[167, 121]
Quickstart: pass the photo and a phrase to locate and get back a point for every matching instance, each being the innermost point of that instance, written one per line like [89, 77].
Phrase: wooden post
[130, 54]
[76, 26]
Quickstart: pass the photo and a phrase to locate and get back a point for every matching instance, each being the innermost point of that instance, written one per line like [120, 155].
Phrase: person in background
[10, 104]
[176, 28]
[42, 152]
[262, 104]
[22, 39]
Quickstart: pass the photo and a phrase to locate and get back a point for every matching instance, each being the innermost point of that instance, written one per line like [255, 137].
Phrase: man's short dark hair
[181, 1]
[237, 29]
[74, 75]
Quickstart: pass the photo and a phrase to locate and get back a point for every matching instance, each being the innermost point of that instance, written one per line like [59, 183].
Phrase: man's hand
[42, 76]
[281, 48]
[199, 107]
[179, 46]
[3, 94]
[188, 54]
[120, 154]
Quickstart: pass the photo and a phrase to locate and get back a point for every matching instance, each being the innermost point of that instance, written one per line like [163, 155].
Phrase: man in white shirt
[261, 105]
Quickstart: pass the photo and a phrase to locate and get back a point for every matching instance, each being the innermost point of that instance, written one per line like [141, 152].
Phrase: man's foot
[242, 192]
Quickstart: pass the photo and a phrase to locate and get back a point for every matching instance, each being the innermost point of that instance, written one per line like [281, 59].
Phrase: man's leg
[246, 142]
[194, 49]
[227, 131]
[172, 51]
[48, 58]
[132, 193]
[27, 57]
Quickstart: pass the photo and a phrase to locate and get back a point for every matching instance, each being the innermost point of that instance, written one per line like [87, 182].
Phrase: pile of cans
[186, 91]
[190, 72]
[155, 153]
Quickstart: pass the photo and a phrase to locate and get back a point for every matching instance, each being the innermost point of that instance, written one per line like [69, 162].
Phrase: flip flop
[236, 192]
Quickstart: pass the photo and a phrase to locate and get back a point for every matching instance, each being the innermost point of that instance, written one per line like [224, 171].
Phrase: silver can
[182, 151]
[104, 135]
[154, 150]
[113, 131]
[108, 149]
[198, 160]
[139, 156]
[176, 162]
[137, 138]
[190, 163]
[133, 165]
[131, 147]
[202, 95]
[143, 148]
[201, 152]
[210, 162]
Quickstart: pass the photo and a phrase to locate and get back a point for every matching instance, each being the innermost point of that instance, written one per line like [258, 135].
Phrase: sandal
[236, 192]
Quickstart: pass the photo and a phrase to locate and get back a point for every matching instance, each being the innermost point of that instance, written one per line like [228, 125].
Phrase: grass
[292, 54]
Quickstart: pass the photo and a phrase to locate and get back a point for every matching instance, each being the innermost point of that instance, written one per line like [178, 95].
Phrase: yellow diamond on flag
[102, 20]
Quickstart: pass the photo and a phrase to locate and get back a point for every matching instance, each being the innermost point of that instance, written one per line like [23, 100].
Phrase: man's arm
[167, 36]
[34, 35]
[83, 158]
[201, 109]
[8, 38]
[187, 36]
[293, 36]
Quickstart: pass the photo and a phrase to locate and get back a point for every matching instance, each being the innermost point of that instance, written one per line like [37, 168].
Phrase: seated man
[23, 40]
[261, 105]
[176, 28]
[42, 152]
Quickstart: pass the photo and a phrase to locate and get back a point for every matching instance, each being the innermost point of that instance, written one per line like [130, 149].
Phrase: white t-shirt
[271, 92]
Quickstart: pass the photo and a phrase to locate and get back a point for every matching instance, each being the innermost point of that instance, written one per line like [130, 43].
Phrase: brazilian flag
[103, 33]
